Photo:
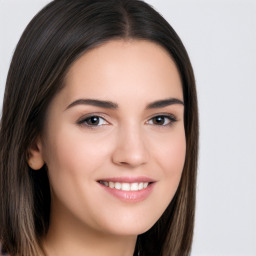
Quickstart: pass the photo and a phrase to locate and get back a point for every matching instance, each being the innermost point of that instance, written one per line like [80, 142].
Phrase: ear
[35, 156]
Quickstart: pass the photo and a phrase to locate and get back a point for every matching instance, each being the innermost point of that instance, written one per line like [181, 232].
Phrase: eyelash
[84, 121]
[170, 119]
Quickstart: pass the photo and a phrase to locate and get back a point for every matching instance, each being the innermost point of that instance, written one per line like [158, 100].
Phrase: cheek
[171, 154]
[73, 160]
[171, 159]
[175, 155]
[73, 152]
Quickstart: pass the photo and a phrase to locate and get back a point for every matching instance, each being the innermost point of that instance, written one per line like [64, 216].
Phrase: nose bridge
[130, 149]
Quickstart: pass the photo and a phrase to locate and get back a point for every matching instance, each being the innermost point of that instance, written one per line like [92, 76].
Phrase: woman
[99, 134]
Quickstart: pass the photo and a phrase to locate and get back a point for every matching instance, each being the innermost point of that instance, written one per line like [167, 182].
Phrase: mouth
[126, 186]
[128, 189]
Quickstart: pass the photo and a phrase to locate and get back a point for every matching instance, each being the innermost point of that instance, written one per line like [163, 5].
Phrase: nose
[130, 149]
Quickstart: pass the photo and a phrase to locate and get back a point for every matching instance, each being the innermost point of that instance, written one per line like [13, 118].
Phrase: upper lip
[128, 179]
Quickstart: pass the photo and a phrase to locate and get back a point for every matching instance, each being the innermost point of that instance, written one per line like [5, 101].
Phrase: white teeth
[125, 186]
[118, 185]
[135, 186]
[111, 184]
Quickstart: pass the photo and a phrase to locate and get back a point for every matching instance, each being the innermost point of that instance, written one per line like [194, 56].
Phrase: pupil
[94, 120]
[159, 120]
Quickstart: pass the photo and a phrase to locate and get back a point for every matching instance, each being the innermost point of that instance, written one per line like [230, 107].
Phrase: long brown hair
[56, 37]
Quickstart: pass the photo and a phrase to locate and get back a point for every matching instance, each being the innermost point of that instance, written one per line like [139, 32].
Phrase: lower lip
[130, 196]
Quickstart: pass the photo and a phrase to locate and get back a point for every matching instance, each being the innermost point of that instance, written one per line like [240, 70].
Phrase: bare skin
[117, 122]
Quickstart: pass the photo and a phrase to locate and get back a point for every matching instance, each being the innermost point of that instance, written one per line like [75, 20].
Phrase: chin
[130, 228]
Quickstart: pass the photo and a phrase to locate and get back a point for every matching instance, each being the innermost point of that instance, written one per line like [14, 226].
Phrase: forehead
[122, 68]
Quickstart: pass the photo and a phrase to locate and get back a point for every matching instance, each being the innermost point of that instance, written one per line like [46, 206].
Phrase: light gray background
[220, 38]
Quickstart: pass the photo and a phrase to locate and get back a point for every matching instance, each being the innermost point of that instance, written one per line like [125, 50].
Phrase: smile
[128, 189]
[124, 186]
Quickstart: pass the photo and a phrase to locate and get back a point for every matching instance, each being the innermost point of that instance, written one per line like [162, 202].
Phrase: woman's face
[114, 139]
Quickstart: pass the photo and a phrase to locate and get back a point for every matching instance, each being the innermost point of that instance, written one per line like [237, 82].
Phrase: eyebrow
[112, 105]
[164, 103]
[93, 102]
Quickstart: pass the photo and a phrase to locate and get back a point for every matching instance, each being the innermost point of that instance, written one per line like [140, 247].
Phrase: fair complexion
[116, 125]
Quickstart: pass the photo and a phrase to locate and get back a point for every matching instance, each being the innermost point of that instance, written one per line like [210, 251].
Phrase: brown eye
[159, 120]
[93, 121]
[162, 120]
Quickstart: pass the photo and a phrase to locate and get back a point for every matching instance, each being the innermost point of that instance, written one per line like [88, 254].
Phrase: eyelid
[82, 120]
[171, 117]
